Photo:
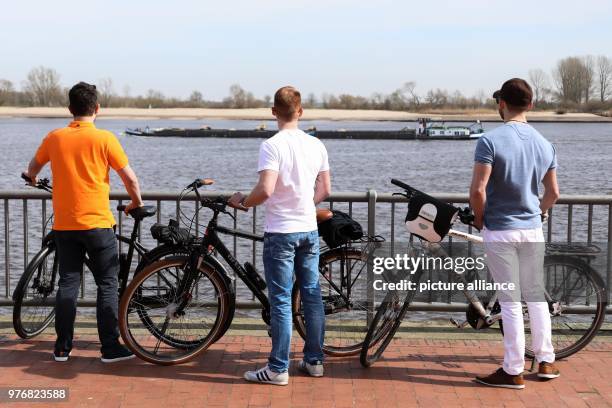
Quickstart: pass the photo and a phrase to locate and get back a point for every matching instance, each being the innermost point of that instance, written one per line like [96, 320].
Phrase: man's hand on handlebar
[29, 179]
[235, 201]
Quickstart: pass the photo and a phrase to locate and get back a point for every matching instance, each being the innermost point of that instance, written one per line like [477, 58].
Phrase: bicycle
[566, 275]
[34, 295]
[191, 298]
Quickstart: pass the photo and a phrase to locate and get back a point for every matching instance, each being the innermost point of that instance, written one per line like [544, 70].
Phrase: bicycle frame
[211, 242]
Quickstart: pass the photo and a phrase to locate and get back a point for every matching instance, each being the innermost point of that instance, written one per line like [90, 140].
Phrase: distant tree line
[575, 84]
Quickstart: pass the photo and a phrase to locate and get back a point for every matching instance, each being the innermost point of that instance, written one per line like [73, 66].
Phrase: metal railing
[576, 218]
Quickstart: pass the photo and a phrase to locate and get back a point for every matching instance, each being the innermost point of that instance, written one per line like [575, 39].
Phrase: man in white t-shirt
[293, 177]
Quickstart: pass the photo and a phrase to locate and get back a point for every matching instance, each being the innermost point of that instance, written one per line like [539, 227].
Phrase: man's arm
[33, 169]
[130, 181]
[260, 193]
[478, 191]
[551, 191]
[322, 187]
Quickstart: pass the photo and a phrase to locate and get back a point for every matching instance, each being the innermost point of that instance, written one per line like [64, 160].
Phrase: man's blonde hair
[287, 102]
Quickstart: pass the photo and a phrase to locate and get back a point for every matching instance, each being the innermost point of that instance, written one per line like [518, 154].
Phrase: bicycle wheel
[343, 295]
[577, 308]
[34, 295]
[151, 322]
[387, 320]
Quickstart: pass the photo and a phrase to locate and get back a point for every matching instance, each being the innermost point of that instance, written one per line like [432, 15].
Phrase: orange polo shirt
[80, 157]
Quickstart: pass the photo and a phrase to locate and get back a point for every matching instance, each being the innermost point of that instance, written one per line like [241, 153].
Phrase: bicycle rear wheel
[343, 295]
[34, 295]
[577, 308]
[156, 328]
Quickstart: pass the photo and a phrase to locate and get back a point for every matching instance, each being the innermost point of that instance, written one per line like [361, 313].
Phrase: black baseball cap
[516, 92]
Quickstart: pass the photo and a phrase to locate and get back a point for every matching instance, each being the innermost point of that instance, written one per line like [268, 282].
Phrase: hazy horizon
[320, 47]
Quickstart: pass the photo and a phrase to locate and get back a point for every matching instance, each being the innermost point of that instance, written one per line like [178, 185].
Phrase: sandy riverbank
[309, 114]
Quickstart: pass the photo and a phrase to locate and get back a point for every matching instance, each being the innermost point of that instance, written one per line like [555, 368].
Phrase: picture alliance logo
[411, 264]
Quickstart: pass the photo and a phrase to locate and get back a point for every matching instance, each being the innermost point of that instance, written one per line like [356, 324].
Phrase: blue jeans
[283, 254]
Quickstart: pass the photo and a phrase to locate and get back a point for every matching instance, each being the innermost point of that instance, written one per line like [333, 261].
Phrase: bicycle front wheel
[383, 327]
[163, 324]
[34, 295]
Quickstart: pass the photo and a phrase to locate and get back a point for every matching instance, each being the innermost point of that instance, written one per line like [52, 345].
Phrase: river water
[584, 156]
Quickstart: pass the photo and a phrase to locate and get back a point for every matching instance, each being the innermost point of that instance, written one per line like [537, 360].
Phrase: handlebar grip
[401, 184]
[204, 182]
[121, 208]
[26, 178]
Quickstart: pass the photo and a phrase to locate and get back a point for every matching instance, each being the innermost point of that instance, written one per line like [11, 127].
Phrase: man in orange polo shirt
[80, 157]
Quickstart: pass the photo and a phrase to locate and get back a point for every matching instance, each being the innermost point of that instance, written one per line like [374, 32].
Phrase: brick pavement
[414, 372]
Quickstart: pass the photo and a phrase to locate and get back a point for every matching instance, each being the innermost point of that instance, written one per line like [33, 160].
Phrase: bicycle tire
[379, 336]
[182, 354]
[327, 258]
[28, 331]
[587, 271]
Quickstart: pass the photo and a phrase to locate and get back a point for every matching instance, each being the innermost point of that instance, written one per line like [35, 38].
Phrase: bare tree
[196, 97]
[409, 90]
[539, 82]
[105, 91]
[569, 79]
[311, 100]
[588, 76]
[6, 91]
[42, 87]
[604, 77]
[240, 98]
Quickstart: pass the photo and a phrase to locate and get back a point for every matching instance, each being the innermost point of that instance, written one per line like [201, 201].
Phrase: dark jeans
[100, 245]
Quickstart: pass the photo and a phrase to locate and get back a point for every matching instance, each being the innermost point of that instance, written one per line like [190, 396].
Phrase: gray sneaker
[266, 376]
[313, 370]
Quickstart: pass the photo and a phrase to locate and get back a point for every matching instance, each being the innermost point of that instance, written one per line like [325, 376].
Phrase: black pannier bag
[339, 229]
[430, 218]
[170, 234]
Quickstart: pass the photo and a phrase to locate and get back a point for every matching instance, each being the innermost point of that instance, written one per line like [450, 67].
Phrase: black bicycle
[575, 294]
[34, 295]
[191, 299]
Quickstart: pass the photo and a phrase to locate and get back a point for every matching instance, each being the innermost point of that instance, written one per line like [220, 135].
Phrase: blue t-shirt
[520, 158]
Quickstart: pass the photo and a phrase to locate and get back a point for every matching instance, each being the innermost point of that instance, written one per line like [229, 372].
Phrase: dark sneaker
[61, 356]
[119, 353]
[314, 370]
[502, 380]
[548, 371]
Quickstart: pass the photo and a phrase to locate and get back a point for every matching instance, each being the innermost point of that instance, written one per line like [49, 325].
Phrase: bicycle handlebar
[466, 216]
[42, 184]
[402, 185]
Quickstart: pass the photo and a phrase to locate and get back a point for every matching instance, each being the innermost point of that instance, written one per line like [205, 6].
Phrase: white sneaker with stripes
[266, 376]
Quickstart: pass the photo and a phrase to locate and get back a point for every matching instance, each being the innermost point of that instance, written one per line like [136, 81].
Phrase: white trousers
[517, 256]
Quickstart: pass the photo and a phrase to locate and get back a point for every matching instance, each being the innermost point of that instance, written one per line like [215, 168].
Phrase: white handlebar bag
[429, 218]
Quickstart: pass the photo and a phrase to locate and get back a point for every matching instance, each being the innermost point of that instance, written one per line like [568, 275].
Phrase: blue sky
[319, 46]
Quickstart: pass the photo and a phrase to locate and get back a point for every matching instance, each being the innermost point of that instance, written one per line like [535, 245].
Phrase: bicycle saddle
[140, 212]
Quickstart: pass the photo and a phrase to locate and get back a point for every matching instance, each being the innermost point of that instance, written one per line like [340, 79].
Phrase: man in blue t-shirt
[511, 162]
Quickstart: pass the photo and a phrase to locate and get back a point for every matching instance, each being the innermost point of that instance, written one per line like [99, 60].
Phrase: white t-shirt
[298, 158]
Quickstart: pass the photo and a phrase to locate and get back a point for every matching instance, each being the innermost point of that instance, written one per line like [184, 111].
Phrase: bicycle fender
[49, 239]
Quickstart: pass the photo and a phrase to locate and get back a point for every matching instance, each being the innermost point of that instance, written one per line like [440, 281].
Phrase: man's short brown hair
[516, 92]
[287, 102]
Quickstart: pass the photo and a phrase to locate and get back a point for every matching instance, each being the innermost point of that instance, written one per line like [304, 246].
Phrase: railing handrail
[602, 199]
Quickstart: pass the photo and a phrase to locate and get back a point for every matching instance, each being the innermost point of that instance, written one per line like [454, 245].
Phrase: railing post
[372, 196]
[7, 249]
[609, 274]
